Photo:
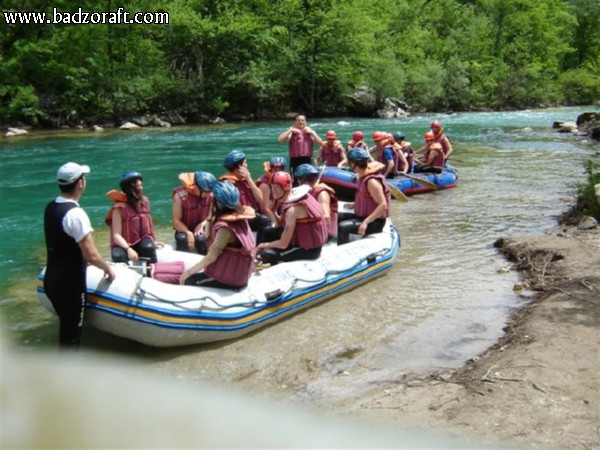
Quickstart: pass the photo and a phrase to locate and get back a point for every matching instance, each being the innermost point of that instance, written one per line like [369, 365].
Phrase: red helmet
[429, 136]
[357, 136]
[283, 179]
[378, 135]
[331, 134]
[436, 124]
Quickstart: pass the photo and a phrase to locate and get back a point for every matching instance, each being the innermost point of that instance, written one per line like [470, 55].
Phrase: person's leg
[375, 227]
[181, 242]
[201, 279]
[146, 249]
[201, 245]
[270, 256]
[69, 306]
[297, 253]
[270, 234]
[119, 254]
[345, 228]
[259, 224]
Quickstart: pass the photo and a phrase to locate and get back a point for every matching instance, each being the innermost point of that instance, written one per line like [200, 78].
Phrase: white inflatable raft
[164, 315]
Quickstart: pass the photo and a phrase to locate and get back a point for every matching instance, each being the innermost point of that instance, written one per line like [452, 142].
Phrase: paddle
[397, 193]
[424, 182]
[321, 170]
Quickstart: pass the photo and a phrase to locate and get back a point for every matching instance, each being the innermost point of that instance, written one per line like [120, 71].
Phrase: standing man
[301, 140]
[69, 245]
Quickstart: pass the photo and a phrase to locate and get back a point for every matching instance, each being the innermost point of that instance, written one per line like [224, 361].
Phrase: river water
[443, 302]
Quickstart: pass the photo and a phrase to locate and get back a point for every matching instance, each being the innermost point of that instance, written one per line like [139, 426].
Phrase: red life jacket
[194, 208]
[364, 204]
[301, 144]
[264, 179]
[234, 265]
[443, 142]
[439, 159]
[332, 154]
[333, 205]
[310, 232]
[407, 149]
[360, 144]
[246, 196]
[394, 156]
[135, 224]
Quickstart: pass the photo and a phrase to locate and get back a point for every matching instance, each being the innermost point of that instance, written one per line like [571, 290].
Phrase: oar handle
[321, 170]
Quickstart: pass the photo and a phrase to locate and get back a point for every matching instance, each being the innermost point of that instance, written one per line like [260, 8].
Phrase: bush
[588, 202]
[24, 104]
[580, 86]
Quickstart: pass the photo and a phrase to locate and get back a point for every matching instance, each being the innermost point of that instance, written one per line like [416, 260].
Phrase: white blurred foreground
[80, 401]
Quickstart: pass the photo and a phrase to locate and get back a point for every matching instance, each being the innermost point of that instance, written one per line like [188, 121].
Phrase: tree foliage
[266, 57]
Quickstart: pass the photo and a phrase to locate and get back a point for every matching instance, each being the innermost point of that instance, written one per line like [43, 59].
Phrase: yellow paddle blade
[422, 181]
[397, 193]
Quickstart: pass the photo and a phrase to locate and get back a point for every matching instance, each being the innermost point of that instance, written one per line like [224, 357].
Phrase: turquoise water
[442, 303]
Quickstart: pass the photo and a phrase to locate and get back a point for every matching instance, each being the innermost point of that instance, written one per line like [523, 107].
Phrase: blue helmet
[277, 161]
[226, 195]
[205, 181]
[128, 177]
[357, 153]
[305, 171]
[399, 135]
[233, 159]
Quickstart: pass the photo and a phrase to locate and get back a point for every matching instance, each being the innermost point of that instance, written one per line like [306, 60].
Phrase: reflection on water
[442, 303]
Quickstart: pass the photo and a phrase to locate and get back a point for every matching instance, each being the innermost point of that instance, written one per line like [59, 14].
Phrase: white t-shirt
[76, 222]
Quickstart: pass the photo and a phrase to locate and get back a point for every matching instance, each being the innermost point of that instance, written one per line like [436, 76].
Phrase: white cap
[70, 172]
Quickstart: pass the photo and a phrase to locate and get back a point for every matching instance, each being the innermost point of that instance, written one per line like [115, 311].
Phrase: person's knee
[119, 254]
[345, 228]
[201, 244]
[148, 249]
[181, 242]
[270, 256]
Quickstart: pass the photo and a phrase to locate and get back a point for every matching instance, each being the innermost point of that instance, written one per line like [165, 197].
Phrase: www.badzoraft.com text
[80, 17]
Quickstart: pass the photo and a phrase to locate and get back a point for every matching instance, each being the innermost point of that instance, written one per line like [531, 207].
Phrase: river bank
[539, 386]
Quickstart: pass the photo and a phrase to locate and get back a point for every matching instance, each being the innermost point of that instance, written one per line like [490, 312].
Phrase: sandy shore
[539, 387]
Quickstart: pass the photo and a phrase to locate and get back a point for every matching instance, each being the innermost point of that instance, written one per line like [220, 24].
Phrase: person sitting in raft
[130, 221]
[331, 152]
[433, 160]
[192, 206]
[387, 155]
[325, 195]
[371, 202]
[438, 134]
[250, 195]
[406, 148]
[230, 258]
[275, 164]
[303, 230]
[357, 141]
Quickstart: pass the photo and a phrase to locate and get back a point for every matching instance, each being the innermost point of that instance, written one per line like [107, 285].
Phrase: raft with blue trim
[344, 181]
[158, 314]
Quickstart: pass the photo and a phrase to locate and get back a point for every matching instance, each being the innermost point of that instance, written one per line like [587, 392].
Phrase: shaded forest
[263, 58]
